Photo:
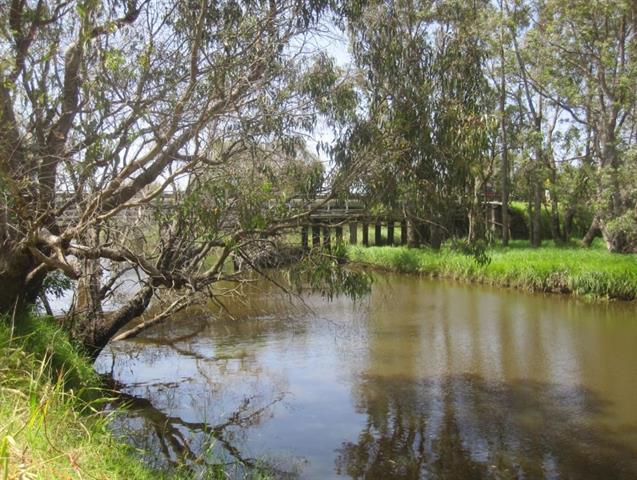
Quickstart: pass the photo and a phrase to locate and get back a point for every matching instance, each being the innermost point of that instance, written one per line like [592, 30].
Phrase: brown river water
[422, 379]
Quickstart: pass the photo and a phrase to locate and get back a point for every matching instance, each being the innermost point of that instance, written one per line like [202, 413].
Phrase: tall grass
[593, 273]
[51, 422]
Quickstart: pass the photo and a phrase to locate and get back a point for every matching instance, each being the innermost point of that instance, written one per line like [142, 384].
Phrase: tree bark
[616, 239]
[536, 220]
[413, 237]
[105, 328]
[20, 279]
[568, 224]
[593, 231]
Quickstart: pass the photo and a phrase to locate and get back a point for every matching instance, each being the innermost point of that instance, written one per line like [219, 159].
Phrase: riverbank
[52, 423]
[590, 273]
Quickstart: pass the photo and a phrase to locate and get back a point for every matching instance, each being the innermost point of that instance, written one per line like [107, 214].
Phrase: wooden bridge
[337, 214]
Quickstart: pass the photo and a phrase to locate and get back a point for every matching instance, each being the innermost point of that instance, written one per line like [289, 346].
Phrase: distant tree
[590, 71]
[426, 127]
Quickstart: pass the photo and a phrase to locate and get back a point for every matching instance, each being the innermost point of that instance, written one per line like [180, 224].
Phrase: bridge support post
[378, 238]
[365, 234]
[403, 232]
[304, 242]
[316, 236]
[390, 232]
[339, 233]
[327, 244]
[353, 233]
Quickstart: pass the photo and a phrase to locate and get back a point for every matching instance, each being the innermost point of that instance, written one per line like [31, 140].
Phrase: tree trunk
[476, 230]
[87, 311]
[106, 328]
[435, 239]
[556, 233]
[413, 239]
[21, 282]
[536, 220]
[616, 240]
[536, 239]
[568, 224]
[593, 231]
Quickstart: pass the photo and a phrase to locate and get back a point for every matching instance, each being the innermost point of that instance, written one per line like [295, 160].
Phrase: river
[422, 379]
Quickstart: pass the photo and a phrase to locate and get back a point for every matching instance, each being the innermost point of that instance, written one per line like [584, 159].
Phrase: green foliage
[624, 225]
[56, 284]
[520, 221]
[425, 134]
[47, 427]
[325, 273]
[478, 250]
[44, 338]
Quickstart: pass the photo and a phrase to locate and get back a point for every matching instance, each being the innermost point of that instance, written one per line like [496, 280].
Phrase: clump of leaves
[56, 283]
[478, 250]
[325, 272]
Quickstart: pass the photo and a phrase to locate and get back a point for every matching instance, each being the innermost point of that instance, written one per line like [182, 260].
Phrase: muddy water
[424, 379]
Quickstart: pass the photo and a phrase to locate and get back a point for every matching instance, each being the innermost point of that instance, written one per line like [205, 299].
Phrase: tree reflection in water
[172, 423]
[462, 427]
[180, 442]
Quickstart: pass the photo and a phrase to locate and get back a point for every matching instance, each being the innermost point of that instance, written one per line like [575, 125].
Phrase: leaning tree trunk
[109, 324]
[592, 232]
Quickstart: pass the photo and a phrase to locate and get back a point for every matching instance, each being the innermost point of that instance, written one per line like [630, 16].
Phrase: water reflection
[466, 427]
[426, 380]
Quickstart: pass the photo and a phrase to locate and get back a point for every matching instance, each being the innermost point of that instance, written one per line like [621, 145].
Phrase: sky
[335, 44]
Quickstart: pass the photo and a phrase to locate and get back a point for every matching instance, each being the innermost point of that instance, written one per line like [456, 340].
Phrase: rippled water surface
[424, 379]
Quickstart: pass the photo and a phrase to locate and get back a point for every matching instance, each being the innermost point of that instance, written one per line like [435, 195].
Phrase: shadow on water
[463, 427]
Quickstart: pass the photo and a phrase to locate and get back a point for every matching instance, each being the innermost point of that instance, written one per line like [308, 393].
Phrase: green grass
[593, 273]
[51, 424]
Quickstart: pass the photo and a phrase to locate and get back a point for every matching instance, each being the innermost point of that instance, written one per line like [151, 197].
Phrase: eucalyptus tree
[425, 126]
[121, 130]
[590, 50]
[528, 67]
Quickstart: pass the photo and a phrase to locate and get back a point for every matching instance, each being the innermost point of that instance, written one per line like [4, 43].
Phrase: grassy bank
[50, 421]
[593, 273]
